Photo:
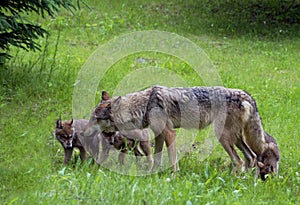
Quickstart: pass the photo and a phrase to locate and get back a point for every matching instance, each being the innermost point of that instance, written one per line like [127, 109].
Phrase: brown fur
[122, 143]
[232, 112]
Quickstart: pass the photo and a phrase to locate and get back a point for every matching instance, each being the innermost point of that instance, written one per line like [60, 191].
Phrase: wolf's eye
[66, 136]
[271, 169]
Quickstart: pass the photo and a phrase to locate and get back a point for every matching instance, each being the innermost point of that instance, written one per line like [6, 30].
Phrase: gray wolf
[232, 112]
[121, 140]
[67, 133]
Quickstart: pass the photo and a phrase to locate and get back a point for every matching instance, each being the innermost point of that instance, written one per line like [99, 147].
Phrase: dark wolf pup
[232, 112]
[124, 144]
[127, 140]
[67, 133]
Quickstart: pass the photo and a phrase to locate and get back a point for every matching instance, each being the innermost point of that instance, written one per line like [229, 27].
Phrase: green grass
[36, 88]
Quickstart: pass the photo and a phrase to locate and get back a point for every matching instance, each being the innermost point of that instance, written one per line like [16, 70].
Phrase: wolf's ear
[58, 124]
[260, 164]
[71, 121]
[105, 96]
[116, 104]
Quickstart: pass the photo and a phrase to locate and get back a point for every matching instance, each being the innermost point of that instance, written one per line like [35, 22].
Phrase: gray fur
[232, 112]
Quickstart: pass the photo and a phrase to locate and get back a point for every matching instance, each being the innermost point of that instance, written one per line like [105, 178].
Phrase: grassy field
[37, 88]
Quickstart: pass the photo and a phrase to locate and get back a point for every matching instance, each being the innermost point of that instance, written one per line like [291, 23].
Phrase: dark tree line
[17, 30]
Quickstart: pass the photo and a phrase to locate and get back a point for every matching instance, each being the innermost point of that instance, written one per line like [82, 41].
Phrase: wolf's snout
[69, 145]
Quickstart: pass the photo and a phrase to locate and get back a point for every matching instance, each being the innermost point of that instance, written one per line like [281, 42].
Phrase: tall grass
[37, 88]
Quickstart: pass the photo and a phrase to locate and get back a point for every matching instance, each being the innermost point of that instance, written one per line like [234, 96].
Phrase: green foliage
[36, 88]
[17, 30]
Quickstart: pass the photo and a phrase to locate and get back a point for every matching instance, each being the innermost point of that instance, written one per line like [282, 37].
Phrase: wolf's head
[64, 133]
[268, 160]
[102, 114]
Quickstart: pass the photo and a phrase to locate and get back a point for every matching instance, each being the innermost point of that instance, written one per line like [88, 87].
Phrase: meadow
[259, 56]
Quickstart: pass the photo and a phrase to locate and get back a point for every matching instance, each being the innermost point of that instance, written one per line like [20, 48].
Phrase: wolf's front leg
[249, 155]
[145, 145]
[121, 157]
[105, 151]
[68, 155]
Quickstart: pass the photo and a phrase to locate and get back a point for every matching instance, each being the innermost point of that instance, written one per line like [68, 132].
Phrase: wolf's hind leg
[170, 140]
[82, 154]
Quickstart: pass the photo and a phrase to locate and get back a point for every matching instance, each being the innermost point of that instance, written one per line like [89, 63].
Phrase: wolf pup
[127, 140]
[124, 144]
[66, 133]
[232, 112]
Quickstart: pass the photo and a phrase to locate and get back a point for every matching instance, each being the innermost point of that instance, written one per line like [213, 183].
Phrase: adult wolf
[232, 112]
[136, 138]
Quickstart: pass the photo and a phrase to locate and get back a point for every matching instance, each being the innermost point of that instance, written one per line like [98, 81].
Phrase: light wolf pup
[232, 112]
[67, 133]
